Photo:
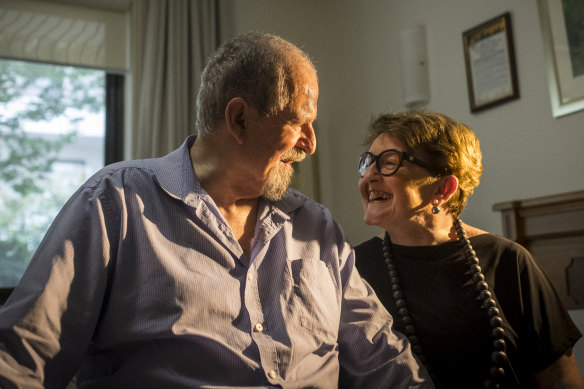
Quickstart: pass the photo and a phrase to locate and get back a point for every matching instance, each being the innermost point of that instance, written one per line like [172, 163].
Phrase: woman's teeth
[379, 196]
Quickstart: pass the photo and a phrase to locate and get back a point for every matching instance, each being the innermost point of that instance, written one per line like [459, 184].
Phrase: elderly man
[201, 268]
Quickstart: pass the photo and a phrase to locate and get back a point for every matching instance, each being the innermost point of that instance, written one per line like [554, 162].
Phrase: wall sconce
[414, 67]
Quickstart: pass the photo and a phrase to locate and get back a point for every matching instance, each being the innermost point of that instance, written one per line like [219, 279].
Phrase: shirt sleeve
[551, 331]
[540, 326]
[372, 355]
[47, 323]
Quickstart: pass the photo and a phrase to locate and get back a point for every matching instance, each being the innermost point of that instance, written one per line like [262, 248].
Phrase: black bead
[496, 321]
[491, 384]
[397, 295]
[485, 294]
[498, 333]
[488, 303]
[499, 357]
[407, 319]
[414, 339]
[493, 311]
[478, 277]
[497, 372]
[417, 349]
[482, 286]
[409, 329]
[475, 268]
[394, 280]
[400, 303]
[499, 344]
[403, 311]
[473, 260]
[392, 273]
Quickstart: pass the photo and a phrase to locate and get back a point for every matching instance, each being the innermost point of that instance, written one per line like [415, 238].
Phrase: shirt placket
[260, 330]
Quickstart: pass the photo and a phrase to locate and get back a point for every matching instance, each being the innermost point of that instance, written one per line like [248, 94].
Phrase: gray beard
[277, 183]
[279, 178]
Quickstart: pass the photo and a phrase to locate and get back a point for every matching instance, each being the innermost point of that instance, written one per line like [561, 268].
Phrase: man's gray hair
[257, 67]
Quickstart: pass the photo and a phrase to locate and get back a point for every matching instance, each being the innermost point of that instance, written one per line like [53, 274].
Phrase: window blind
[63, 34]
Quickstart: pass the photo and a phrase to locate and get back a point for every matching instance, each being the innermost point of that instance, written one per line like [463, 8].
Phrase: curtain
[171, 42]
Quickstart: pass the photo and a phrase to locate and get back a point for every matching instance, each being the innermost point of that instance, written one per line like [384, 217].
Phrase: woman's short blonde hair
[449, 147]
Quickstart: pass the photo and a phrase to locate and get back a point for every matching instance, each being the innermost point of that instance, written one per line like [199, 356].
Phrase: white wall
[527, 153]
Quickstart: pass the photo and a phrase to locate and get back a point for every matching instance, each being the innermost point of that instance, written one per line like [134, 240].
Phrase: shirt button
[259, 328]
[272, 374]
[249, 276]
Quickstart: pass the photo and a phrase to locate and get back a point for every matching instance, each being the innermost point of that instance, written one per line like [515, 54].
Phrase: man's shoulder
[300, 200]
[125, 173]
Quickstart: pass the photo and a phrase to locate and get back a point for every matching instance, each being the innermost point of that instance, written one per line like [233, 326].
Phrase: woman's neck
[434, 230]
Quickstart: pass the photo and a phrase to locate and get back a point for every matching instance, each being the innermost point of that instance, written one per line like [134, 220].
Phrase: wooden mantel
[552, 229]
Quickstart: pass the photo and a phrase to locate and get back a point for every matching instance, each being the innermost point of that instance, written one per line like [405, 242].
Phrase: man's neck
[242, 220]
[239, 211]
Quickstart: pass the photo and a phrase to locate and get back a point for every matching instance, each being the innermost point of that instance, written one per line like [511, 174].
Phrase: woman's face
[397, 201]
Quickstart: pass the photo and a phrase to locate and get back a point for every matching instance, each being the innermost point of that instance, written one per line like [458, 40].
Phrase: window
[53, 136]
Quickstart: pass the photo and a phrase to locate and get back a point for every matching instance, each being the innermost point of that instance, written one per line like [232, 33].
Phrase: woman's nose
[370, 170]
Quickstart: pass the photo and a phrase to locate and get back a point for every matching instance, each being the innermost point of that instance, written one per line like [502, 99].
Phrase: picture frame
[564, 63]
[489, 56]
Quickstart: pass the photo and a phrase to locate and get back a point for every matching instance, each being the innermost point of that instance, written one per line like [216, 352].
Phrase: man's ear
[236, 113]
[447, 187]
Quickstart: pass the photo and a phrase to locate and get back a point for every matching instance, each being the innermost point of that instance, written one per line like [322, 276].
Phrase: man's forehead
[310, 93]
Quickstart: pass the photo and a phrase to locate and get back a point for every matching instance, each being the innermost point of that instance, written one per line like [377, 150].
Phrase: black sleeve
[545, 329]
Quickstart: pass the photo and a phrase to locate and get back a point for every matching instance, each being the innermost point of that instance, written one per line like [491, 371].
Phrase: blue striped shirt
[140, 283]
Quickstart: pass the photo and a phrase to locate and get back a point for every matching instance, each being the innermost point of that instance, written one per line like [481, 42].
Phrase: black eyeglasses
[387, 162]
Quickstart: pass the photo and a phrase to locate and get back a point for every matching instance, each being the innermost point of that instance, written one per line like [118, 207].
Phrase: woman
[475, 323]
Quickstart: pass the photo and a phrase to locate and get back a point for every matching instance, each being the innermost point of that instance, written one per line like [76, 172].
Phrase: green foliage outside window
[30, 194]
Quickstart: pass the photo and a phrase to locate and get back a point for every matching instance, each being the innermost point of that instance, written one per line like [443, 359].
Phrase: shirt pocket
[316, 299]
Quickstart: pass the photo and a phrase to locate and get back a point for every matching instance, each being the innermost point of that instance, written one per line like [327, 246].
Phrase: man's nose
[307, 140]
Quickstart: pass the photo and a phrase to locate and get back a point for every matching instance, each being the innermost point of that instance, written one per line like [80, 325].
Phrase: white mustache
[294, 155]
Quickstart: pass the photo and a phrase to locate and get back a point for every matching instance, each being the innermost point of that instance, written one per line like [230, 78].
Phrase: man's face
[289, 136]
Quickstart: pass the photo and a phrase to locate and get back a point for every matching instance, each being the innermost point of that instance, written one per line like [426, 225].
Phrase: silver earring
[435, 208]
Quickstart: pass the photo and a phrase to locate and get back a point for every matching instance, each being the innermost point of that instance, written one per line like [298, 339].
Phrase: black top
[453, 329]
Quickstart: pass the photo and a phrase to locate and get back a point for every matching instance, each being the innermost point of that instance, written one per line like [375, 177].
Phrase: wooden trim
[552, 229]
[549, 216]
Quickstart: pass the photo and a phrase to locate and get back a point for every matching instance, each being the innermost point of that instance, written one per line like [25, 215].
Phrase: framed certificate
[490, 63]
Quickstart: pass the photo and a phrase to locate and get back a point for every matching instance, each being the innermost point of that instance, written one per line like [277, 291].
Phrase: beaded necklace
[498, 355]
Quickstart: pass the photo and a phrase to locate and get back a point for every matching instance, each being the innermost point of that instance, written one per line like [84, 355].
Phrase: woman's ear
[447, 187]
[235, 117]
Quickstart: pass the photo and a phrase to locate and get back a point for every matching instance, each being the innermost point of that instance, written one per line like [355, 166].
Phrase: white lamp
[414, 67]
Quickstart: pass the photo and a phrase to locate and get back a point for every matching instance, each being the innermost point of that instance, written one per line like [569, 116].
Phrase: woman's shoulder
[502, 248]
[488, 238]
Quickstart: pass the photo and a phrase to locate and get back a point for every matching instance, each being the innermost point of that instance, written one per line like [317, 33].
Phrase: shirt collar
[176, 175]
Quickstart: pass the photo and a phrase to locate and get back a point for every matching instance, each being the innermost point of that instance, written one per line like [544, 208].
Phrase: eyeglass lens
[387, 162]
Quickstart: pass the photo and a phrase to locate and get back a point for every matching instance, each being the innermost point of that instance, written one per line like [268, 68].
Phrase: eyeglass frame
[403, 155]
